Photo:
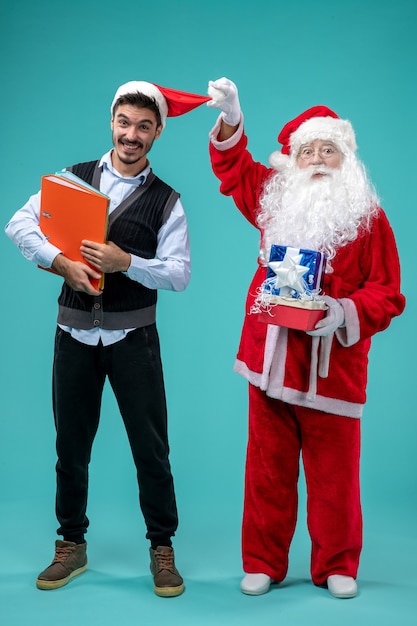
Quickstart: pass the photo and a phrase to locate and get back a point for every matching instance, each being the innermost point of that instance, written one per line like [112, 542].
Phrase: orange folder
[70, 211]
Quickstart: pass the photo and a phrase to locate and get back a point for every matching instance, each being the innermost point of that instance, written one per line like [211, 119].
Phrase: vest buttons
[97, 305]
[96, 322]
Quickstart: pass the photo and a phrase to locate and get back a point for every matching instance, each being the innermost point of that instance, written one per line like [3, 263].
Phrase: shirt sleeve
[23, 229]
[171, 267]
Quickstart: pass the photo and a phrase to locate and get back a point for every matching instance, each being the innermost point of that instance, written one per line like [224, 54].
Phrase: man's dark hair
[140, 101]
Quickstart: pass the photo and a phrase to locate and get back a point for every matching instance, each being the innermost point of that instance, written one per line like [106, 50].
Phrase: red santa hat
[319, 122]
[171, 102]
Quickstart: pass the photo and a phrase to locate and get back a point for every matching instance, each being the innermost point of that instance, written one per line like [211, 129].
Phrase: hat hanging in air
[171, 102]
[319, 122]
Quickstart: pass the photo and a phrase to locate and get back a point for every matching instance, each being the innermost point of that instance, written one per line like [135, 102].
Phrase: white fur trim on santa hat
[148, 89]
[326, 128]
[338, 131]
[278, 160]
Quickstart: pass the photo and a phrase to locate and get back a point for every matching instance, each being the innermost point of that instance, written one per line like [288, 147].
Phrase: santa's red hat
[319, 122]
[171, 102]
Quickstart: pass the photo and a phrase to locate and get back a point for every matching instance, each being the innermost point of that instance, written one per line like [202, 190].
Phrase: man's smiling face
[133, 131]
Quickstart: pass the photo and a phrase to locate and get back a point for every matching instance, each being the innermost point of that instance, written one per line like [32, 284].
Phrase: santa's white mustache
[320, 169]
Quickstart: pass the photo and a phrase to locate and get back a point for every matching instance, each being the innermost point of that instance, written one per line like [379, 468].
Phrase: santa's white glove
[334, 318]
[225, 97]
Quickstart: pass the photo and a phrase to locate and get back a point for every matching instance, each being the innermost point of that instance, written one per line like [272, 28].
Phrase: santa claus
[307, 389]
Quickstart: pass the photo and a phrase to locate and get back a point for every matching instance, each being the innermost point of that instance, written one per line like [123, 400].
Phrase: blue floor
[117, 589]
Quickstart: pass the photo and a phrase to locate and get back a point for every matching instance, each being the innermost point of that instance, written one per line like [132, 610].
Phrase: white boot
[342, 586]
[255, 584]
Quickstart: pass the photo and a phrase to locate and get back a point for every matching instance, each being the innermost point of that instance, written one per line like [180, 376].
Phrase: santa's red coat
[365, 280]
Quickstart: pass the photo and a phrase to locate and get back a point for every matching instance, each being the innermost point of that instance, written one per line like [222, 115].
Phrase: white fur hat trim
[330, 128]
[148, 89]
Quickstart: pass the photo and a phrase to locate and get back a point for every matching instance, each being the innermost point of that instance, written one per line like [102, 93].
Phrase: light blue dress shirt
[170, 269]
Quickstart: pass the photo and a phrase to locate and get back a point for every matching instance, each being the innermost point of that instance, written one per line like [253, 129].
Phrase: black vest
[134, 226]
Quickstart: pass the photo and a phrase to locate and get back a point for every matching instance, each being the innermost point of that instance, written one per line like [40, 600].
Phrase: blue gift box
[294, 272]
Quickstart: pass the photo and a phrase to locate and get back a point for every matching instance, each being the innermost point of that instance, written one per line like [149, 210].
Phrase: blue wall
[61, 64]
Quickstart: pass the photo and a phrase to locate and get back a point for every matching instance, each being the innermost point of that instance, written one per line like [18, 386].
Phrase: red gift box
[294, 315]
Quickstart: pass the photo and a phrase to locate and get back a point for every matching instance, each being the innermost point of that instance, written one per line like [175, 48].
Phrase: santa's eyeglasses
[325, 152]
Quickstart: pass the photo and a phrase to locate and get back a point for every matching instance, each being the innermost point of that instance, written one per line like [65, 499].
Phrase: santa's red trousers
[330, 448]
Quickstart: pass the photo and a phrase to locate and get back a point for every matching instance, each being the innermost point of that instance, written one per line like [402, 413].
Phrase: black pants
[134, 370]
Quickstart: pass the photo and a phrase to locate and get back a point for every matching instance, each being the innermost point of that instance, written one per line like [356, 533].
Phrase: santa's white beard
[322, 213]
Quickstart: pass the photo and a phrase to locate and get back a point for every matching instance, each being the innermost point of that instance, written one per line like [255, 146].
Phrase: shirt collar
[105, 162]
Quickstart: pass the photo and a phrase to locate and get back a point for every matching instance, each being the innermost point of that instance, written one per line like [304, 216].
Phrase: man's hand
[76, 274]
[225, 97]
[106, 257]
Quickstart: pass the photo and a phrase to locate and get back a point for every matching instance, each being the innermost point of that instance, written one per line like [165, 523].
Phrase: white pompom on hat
[319, 122]
[171, 102]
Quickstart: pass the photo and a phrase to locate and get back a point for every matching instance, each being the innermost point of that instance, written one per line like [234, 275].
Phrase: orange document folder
[70, 211]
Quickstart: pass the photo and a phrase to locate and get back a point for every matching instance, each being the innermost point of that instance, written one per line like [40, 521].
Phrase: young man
[307, 389]
[112, 333]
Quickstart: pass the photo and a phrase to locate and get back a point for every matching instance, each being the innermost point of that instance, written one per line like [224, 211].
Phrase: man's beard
[322, 213]
[144, 148]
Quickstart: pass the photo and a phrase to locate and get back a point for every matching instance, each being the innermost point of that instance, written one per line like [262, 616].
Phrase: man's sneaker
[167, 581]
[70, 560]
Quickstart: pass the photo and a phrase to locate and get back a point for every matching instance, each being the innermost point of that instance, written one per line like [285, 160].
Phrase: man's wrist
[60, 263]
[128, 262]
